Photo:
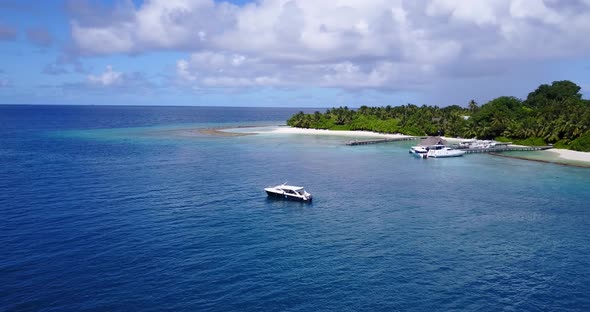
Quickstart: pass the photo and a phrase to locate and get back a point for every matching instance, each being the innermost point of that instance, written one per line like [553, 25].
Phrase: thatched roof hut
[432, 140]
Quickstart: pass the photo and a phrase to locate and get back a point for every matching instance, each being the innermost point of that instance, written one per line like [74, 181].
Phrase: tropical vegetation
[551, 114]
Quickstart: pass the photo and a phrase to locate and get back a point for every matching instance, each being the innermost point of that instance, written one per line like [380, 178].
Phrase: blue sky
[293, 53]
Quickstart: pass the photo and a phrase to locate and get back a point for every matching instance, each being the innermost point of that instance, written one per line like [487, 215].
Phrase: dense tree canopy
[554, 113]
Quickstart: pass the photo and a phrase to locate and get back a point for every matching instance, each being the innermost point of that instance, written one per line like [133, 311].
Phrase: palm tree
[317, 116]
[552, 135]
[470, 130]
[484, 131]
[473, 106]
[579, 128]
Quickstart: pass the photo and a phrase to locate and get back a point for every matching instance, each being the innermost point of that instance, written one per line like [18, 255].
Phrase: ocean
[119, 208]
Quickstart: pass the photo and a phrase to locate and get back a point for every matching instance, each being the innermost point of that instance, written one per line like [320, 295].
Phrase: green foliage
[561, 144]
[410, 130]
[553, 113]
[372, 123]
[495, 116]
[503, 139]
[528, 141]
[410, 119]
[582, 143]
[557, 91]
[533, 141]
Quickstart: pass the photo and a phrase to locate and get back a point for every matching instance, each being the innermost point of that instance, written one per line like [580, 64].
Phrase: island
[553, 114]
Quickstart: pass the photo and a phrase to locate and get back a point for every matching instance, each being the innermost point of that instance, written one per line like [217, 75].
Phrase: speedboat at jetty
[435, 151]
[435, 147]
[288, 192]
[419, 151]
[441, 151]
[479, 144]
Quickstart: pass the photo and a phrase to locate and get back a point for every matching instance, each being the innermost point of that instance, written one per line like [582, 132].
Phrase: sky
[288, 53]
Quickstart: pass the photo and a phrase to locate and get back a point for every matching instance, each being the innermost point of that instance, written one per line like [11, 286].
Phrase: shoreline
[305, 131]
[571, 155]
[221, 131]
[560, 154]
[543, 161]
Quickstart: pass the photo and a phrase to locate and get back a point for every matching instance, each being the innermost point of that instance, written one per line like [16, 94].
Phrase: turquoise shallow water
[547, 156]
[120, 208]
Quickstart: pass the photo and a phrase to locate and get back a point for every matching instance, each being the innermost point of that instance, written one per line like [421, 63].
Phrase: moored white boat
[289, 192]
[442, 151]
[477, 144]
[419, 151]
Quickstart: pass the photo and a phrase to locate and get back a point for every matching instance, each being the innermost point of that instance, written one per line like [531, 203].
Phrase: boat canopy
[290, 187]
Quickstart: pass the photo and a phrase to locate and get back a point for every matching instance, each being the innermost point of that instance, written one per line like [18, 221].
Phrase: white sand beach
[291, 130]
[561, 153]
[571, 155]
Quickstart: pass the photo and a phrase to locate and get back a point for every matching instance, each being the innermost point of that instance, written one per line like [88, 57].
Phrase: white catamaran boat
[289, 192]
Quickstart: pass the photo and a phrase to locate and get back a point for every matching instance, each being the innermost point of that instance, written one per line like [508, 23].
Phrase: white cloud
[535, 9]
[108, 78]
[475, 12]
[111, 81]
[155, 25]
[218, 69]
[341, 43]
[183, 72]
[103, 40]
[225, 70]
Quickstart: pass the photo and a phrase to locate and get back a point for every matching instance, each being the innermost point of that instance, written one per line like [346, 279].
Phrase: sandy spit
[571, 155]
[291, 130]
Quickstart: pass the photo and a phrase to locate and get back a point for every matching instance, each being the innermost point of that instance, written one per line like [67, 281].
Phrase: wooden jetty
[376, 141]
[506, 148]
[501, 147]
[497, 149]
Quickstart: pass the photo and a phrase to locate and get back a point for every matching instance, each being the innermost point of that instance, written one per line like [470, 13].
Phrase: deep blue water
[118, 209]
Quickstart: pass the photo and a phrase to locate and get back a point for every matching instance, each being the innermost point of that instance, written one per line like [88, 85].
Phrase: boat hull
[447, 155]
[419, 152]
[287, 197]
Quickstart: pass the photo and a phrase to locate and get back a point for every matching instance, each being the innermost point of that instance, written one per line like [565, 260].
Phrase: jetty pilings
[505, 149]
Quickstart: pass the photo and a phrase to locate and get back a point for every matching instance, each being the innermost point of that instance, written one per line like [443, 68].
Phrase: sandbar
[221, 132]
[571, 155]
[343, 133]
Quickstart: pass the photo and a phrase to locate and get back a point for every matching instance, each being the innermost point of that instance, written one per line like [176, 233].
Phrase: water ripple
[105, 221]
